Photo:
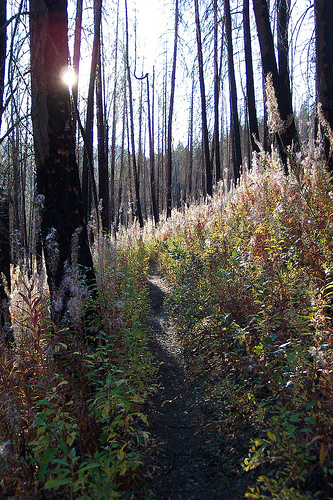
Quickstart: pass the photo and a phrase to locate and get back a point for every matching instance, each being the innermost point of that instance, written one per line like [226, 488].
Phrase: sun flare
[69, 77]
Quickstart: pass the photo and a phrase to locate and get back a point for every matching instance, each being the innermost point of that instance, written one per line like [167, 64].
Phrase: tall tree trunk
[324, 77]
[140, 163]
[77, 55]
[216, 98]
[54, 142]
[103, 173]
[120, 204]
[251, 103]
[3, 38]
[189, 187]
[287, 134]
[283, 7]
[171, 104]
[88, 177]
[114, 123]
[236, 144]
[205, 137]
[151, 152]
[5, 320]
[130, 98]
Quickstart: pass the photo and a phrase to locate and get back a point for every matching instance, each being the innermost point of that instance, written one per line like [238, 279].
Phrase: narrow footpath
[188, 461]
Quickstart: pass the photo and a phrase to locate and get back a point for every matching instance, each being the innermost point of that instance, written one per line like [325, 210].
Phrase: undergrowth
[71, 419]
[251, 274]
[252, 280]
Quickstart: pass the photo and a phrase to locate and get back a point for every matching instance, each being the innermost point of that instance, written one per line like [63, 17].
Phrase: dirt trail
[188, 465]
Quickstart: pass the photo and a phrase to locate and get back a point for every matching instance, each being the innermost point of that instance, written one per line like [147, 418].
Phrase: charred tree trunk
[205, 137]
[251, 103]
[324, 78]
[77, 54]
[54, 142]
[130, 98]
[236, 144]
[122, 160]
[216, 99]
[114, 125]
[171, 104]
[5, 320]
[189, 187]
[89, 194]
[151, 153]
[103, 171]
[287, 135]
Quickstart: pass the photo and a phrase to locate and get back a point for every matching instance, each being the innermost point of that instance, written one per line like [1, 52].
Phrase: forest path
[188, 464]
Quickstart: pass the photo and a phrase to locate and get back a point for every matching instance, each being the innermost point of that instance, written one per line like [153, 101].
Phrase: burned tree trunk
[286, 135]
[324, 60]
[54, 143]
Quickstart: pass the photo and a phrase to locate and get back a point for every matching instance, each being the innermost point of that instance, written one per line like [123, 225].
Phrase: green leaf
[311, 420]
[48, 455]
[271, 436]
[290, 428]
[310, 405]
[294, 418]
[61, 462]
[63, 446]
[55, 483]
[63, 382]
[89, 466]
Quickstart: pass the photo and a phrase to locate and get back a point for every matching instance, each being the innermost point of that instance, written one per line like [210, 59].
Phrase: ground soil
[190, 460]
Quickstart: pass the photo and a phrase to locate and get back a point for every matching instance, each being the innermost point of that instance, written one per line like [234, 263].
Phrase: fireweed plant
[71, 420]
[252, 280]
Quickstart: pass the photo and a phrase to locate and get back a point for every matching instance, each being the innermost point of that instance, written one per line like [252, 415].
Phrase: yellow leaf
[105, 411]
[166, 401]
[123, 469]
[121, 453]
[143, 418]
[137, 399]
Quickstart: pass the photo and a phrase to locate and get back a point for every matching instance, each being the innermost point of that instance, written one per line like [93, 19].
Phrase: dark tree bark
[170, 116]
[236, 144]
[103, 171]
[324, 78]
[205, 137]
[5, 320]
[251, 103]
[57, 171]
[283, 7]
[122, 161]
[282, 38]
[189, 187]
[151, 153]
[88, 178]
[286, 136]
[162, 195]
[130, 98]
[216, 99]
[77, 54]
[3, 38]
[114, 124]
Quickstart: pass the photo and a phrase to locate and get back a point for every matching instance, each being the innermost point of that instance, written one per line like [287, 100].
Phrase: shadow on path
[187, 465]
